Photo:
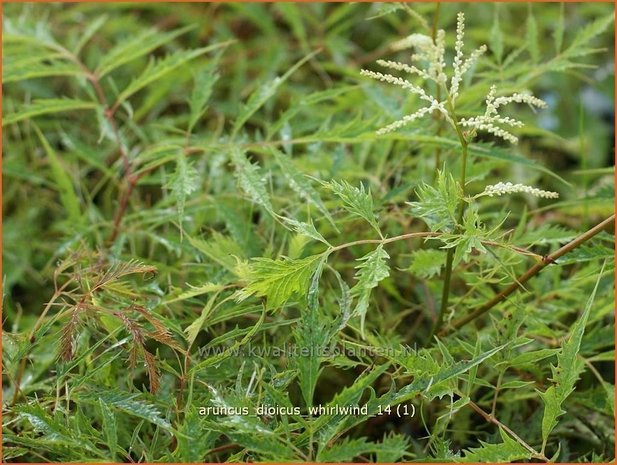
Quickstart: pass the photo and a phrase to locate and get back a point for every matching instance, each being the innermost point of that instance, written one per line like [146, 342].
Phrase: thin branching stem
[492, 419]
[530, 273]
[445, 295]
[108, 113]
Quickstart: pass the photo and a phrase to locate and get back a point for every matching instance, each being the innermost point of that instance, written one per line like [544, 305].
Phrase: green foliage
[251, 181]
[373, 268]
[184, 181]
[211, 255]
[565, 374]
[507, 451]
[437, 206]
[356, 200]
[278, 280]
[46, 107]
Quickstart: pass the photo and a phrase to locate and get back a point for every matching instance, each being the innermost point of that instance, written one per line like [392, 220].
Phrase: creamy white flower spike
[502, 188]
[432, 55]
[488, 122]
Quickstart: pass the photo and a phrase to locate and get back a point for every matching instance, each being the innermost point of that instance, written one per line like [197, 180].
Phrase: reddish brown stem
[530, 273]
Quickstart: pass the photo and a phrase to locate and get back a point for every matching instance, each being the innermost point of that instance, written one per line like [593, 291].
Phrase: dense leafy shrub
[210, 209]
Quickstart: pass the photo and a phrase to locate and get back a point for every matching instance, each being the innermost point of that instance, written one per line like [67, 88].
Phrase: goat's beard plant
[236, 266]
[430, 54]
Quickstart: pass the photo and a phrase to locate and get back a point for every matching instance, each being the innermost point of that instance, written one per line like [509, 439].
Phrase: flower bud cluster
[502, 188]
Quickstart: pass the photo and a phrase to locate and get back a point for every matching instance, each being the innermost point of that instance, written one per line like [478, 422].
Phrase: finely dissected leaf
[46, 424]
[325, 427]
[427, 263]
[306, 229]
[496, 36]
[128, 403]
[559, 28]
[470, 241]
[194, 291]
[183, 183]
[531, 37]
[531, 357]
[68, 196]
[392, 449]
[20, 71]
[193, 329]
[194, 438]
[356, 200]
[279, 280]
[420, 384]
[587, 34]
[110, 428]
[566, 373]
[202, 89]
[300, 184]
[157, 69]
[251, 181]
[580, 45]
[47, 107]
[91, 29]
[249, 430]
[263, 93]
[437, 206]
[139, 45]
[311, 336]
[507, 451]
[220, 249]
[372, 269]
[53, 429]
[587, 252]
[345, 451]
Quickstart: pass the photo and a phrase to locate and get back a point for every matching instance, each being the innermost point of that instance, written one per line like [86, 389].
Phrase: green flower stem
[445, 295]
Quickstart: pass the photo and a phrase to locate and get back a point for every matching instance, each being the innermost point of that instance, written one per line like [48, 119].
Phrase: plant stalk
[445, 295]
[530, 273]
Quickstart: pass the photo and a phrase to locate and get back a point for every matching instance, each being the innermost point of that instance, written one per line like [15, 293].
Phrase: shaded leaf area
[210, 255]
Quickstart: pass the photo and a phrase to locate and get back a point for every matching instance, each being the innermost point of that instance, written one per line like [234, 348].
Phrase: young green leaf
[128, 403]
[183, 183]
[531, 36]
[263, 93]
[251, 181]
[507, 451]
[427, 263]
[279, 280]
[47, 107]
[68, 196]
[110, 428]
[220, 249]
[300, 183]
[46, 67]
[306, 229]
[496, 36]
[356, 200]
[559, 28]
[437, 206]
[372, 269]
[311, 336]
[159, 68]
[566, 373]
[138, 46]
[202, 89]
